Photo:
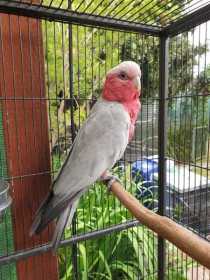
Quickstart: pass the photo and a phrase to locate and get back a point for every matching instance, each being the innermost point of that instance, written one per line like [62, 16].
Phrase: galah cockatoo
[99, 144]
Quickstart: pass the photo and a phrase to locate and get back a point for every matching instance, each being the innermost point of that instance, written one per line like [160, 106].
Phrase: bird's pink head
[123, 84]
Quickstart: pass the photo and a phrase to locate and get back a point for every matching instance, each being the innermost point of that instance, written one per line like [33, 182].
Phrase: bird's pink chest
[125, 93]
[133, 109]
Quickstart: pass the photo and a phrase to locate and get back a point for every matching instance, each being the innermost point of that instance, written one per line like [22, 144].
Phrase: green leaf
[105, 264]
[83, 256]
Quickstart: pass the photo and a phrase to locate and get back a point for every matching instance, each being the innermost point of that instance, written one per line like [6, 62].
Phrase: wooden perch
[184, 239]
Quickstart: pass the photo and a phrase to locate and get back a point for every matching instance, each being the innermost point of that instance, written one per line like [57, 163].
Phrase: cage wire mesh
[56, 73]
[188, 141]
[152, 13]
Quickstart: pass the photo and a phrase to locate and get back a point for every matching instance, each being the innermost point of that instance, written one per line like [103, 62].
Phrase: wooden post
[25, 124]
[190, 243]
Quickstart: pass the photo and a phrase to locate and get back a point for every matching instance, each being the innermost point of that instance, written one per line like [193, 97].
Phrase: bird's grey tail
[65, 217]
[46, 213]
[37, 223]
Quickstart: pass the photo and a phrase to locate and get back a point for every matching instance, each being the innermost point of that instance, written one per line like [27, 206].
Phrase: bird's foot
[108, 178]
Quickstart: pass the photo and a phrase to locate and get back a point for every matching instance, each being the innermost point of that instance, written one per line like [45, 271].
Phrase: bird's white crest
[128, 67]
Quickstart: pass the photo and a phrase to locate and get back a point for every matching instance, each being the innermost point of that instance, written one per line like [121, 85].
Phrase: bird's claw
[109, 179]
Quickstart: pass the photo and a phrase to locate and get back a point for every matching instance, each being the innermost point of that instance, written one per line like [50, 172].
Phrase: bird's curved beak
[137, 83]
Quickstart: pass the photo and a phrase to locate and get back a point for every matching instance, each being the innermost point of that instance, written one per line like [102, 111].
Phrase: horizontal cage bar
[75, 239]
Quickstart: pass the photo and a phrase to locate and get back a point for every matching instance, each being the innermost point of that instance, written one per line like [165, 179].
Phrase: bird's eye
[123, 76]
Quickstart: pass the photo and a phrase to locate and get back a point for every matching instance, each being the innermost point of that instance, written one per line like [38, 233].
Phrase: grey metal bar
[188, 22]
[42, 12]
[73, 132]
[162, 147]
[75, 239]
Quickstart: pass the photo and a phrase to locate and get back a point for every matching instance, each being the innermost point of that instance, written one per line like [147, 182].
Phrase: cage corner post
[162, 131]
[25, 127]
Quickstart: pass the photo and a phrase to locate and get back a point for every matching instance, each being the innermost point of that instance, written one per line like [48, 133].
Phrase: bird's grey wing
[99, 144]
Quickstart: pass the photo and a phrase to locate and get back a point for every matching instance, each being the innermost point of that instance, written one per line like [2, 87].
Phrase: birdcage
[54, 55]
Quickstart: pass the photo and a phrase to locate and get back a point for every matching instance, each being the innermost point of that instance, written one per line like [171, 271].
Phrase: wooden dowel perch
[184, 239]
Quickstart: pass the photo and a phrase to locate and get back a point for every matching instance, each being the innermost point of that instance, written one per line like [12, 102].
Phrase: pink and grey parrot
[99, 144]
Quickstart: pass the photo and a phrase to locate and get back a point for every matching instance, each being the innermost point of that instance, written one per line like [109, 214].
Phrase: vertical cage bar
[73, 134]
[163, 94]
